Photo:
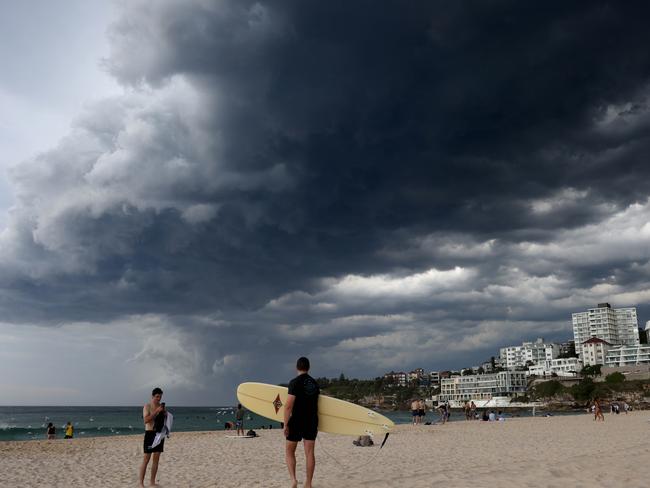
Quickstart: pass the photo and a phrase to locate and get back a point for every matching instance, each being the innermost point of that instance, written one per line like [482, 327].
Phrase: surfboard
[334, 416]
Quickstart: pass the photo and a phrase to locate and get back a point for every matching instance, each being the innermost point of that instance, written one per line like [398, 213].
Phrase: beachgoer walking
[301, 421]
[443, 412]
[153, 415]
[598, 411]
[239, 419]
[414, 411]
[69, 431]
[51, 431]
[472, 409]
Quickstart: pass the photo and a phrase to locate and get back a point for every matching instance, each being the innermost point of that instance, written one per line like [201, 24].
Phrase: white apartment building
[618, 326]
[535, 352]
[482, 386]
[594, 351]
[566, 367]
[415, 375]
[396, 378]
[628, 355]
[487, 366]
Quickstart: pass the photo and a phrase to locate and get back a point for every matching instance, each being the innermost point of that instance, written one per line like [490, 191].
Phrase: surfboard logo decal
[277, 403]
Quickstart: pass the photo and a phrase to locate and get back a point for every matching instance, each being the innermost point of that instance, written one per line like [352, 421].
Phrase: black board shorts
[299, 432]
[149, 436]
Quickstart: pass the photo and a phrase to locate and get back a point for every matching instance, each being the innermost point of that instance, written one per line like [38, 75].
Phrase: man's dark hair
[156, 391]
[302, 364]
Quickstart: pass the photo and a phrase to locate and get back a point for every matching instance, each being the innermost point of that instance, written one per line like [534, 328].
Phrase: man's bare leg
[143, 468]
[310, 459]
[290, 455]
[154, 468]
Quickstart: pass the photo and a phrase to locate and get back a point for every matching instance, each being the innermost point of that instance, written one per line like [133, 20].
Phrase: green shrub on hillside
[547, 389]
[615, 378]
[584, 390]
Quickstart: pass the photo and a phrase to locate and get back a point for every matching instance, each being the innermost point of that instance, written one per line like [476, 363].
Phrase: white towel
[165, 432]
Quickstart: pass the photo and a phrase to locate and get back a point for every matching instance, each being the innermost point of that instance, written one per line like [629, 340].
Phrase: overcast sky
[196, 193]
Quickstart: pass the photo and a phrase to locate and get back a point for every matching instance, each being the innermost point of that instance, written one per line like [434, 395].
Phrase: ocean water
[26, 423]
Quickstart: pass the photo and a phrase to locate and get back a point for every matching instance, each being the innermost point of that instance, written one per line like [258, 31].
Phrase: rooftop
[596, 340]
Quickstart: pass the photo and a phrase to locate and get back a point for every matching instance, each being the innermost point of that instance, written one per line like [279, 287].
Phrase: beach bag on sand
[363, 441]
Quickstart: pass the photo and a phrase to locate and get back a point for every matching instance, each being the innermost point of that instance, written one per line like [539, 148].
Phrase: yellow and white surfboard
[334, 416]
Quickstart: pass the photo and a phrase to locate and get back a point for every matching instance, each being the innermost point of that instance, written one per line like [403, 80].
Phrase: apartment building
[618, 326]
[482, 386]
[594, 351]
[628, 355]
[396, 378]
[529, 352]
[565, 367]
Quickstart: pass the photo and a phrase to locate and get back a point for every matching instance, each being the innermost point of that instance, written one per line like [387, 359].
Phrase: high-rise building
[618, 326]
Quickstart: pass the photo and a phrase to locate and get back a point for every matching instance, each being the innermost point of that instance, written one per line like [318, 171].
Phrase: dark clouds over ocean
[374, 184]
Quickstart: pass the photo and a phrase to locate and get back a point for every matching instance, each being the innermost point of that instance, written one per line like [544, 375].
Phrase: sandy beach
[532, 452]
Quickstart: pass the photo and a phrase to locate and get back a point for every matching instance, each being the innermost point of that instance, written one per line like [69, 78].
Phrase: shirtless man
[421, 411]
[239, 419]
[414, 411]
[149, 413]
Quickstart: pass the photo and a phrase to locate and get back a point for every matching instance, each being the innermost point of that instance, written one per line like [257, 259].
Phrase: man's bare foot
[294, 483]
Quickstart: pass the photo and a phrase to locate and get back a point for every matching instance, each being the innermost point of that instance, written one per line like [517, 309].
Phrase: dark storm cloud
[386, 180]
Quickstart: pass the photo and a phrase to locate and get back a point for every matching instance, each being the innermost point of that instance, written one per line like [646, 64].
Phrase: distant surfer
[301, 420]
[153, 414]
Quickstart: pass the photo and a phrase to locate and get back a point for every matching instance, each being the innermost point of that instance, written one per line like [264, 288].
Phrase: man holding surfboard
[301, 420]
